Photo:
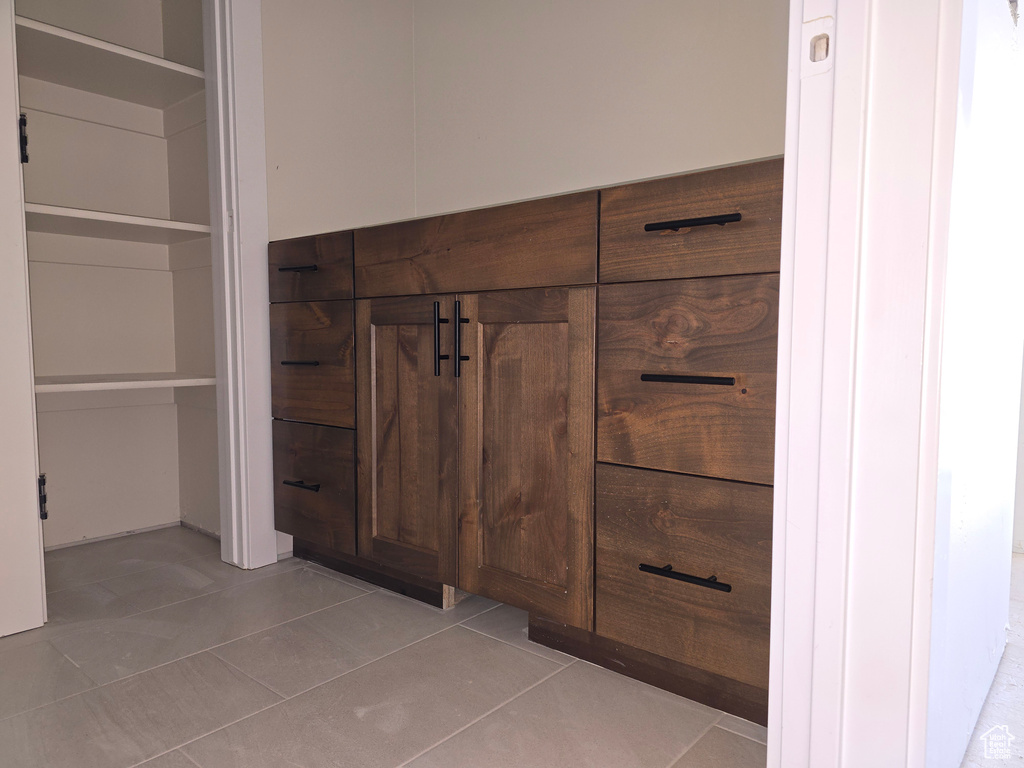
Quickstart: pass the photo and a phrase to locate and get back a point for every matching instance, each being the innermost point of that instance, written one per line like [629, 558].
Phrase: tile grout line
[242, 672]
[485, 714]
[521, 648]
[194, 597]
[134, 572]
[737, 733]
[137, 613]
[693, 743]
[212, 650]
[318, 685]
[172, 661]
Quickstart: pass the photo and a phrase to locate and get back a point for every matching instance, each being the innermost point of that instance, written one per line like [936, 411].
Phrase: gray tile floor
[158, 654]
[1005, 702]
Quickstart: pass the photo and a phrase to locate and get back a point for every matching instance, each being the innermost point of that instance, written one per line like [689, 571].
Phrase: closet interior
[117, 214]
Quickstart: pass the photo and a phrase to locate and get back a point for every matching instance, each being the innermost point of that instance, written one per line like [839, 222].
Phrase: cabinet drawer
[312, 362]
[315, 483]
[525, 245]
[686, 375]
[317, 268]
[702, 528]
[693, 248]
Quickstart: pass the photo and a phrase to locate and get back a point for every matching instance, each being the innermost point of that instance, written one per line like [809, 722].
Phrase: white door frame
[22, 591]
[238, 193]
[869, 149]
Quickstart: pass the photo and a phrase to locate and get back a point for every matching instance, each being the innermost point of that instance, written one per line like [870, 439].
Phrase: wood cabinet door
[407, 436]
[526, 453]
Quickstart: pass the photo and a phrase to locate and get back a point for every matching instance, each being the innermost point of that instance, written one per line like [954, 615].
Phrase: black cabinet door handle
[438, 320]
[302, 268]
[300, 362]
[671, 378]
[314, 487]
[711, 582]
[459, 357]
[699, 221]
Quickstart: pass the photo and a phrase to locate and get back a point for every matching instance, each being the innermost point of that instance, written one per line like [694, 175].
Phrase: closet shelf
[107, 381]
[46, 52]
[110, 226]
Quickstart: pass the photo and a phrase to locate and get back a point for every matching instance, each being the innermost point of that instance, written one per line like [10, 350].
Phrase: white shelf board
[99, 382]
[60, 56]
[110, 226]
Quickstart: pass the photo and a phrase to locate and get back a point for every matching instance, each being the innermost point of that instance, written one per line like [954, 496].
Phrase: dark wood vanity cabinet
[593, 445]
[312, 382]
[315, 483]
[317, 268]
[726, 221]
[685, 569]
[312, 358]
[407, 436]
[476, 443]
[547, 242]
[686, 379]
[526, 450]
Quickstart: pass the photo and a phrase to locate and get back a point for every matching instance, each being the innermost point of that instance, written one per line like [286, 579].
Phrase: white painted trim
[799, 394]
[238, 193]
[22, 590]
[950, 23]
[867, 192]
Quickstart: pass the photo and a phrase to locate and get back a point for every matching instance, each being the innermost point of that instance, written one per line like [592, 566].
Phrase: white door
[22, 593]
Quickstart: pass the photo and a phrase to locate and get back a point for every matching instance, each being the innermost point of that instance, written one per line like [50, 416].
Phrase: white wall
[982, 342]
[529, 98]
[388, 110]
[1018, 517]
[338, 84]
[131, 23]
[111, 460]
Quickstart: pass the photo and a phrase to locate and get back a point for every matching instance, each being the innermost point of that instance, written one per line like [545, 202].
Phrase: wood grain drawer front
[312, 362]
[686, 375]
[702, 528]
[666, 228]
[315, 484]
[524, 245]
[317, 268]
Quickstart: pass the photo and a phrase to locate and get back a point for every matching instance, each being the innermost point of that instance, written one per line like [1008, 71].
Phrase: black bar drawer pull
[670, 378]
[314, 487]
[303, 268]
[700, 221]
[711, 582]
[438, 357]
[300, 362]
[459, 357]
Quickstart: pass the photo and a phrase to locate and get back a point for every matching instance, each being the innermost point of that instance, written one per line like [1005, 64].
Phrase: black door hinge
[23, 131]
[42, 497]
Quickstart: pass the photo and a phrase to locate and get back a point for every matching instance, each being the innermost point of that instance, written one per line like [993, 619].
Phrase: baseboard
[200, 529]
[109, 536]
[429, 592]
[741, 699]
